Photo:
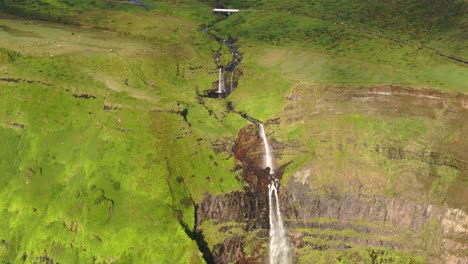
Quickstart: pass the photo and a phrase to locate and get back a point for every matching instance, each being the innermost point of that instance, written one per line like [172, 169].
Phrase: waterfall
[279, 246]
[267, 158]
[232, 75]
[221, 86]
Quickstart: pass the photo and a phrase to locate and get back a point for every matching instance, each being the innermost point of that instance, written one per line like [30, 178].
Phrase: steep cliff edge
[373, 174]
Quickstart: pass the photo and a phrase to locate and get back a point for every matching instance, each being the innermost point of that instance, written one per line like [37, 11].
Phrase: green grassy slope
[285, 43]
[424, 22]
[81, 184]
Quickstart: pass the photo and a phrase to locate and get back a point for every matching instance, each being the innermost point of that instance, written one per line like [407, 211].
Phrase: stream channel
[279, 252]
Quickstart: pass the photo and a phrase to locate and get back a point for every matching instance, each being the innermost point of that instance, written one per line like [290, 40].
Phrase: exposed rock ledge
[320, 217]
[302, 205]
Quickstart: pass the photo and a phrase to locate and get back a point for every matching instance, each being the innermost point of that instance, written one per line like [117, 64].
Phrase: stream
[279, 250]
[227, 71]
[279, 246]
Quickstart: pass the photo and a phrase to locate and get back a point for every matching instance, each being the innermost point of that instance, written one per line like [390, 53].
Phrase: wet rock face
[248, 147]
[250, 206]
[249, 150]
[230, 86]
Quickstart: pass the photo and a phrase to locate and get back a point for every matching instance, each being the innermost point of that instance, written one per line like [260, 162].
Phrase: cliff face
[368, 174]
[393, 223]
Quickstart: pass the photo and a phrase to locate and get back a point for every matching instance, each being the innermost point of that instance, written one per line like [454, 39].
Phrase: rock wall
[388, 195]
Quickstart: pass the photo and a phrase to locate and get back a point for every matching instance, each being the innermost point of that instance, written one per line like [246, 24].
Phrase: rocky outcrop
[17, 80]
[244, 207]
[300, 202]
[350, 177]
[231, 250]
[251, 205]
[15, 124]
[84, 96]
[388, 220]
[361, 187]
[455, 222]
[454, 245]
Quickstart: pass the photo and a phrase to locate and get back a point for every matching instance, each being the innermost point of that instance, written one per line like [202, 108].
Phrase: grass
[85, 153]
[83, 184]
[333, 241]
[281, 50]
[334, 54]
[419, 21]
[104, 185]
[212, 231]
[374, 151]
[355, 255]
[342, 138]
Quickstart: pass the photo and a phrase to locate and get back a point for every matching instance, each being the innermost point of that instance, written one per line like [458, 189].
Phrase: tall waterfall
[221, 85]
[279, 246]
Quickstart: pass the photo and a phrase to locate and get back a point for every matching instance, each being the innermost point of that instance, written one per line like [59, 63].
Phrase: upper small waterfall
[230, 83]
[267, 158]
[221, 85]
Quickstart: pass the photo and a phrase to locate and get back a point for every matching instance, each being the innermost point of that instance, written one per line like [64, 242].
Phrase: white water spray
[267, 158]
[221, 85]
[279, 246]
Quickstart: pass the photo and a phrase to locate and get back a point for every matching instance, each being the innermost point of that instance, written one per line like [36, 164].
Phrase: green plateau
[111, 153]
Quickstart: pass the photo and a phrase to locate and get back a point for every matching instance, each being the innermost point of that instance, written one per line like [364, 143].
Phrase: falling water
[232, 75]
[221, 86]
[279, 248]
[267, 158]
